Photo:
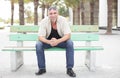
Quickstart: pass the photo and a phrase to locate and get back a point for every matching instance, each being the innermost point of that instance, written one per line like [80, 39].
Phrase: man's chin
[53, 20]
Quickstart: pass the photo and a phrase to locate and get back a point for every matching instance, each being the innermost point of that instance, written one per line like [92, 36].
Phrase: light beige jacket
[62, 27]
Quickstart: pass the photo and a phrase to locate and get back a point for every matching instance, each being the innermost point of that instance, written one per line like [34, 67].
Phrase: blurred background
[104, 13]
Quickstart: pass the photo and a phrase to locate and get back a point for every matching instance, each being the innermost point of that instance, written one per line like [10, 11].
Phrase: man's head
[53, 13]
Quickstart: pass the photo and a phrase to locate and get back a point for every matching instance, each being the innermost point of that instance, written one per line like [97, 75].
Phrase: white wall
[102, 12]
[70, 16]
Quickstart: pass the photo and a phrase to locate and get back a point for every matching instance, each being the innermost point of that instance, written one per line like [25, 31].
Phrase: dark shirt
[54, 34]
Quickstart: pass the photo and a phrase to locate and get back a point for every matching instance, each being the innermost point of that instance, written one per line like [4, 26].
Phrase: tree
[109, 24]
[82, 12]
[92, 3]
[12, 11]
[21, 11]
[45, 4]
[75, 5]
[36, 12]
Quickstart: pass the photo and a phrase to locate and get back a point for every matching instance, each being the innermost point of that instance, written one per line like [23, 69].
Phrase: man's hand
[54, 42]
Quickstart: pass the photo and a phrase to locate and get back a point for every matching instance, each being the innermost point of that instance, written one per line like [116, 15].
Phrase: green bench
[22, 33]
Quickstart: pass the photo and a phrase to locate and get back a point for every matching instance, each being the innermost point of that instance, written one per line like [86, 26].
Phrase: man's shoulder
[61, 18]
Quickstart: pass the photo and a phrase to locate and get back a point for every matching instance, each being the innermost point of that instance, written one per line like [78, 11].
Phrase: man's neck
[54, 25]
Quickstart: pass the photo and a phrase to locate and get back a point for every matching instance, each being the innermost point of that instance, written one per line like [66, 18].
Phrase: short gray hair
[52, 8]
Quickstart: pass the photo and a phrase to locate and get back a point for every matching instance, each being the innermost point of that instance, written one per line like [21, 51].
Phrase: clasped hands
[54, 42]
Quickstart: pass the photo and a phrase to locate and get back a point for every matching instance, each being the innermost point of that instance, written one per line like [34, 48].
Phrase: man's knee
[70, 42]
[39, 44]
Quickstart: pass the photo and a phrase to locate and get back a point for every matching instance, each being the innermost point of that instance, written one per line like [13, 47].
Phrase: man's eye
[55, 13]
[50, 13]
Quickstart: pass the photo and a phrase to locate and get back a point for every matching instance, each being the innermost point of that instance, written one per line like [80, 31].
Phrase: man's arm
[43, 39]
[55, 41]
[64, 38]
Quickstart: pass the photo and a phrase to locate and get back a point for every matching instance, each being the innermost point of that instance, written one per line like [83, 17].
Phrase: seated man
[54, 31]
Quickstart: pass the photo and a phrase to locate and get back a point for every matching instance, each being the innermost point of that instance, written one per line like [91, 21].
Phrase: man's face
[53, 15]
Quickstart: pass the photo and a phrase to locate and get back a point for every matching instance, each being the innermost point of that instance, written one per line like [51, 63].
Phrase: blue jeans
[40, 46]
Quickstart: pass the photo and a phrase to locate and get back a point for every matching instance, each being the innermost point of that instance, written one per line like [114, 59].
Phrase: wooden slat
[74, 37]
[22, 28]
[84, 37]
[84, 28]
[32, 48]
[23, 37]
[74, 28]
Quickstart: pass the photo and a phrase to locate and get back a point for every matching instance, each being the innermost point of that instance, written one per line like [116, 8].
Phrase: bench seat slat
[34, 37]
[31, 48]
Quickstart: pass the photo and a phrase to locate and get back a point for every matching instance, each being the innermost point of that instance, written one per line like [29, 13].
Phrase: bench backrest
[74, 28]
[29, 33]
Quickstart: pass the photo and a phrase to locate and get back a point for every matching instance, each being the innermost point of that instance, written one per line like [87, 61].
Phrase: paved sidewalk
[107, 61]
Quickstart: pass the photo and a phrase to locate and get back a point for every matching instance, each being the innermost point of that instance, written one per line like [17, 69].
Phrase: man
[54, 32]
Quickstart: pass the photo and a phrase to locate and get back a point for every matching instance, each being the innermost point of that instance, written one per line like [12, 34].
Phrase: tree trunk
[115, 12]
[82, 13]
[75, 16]
[109, 26]
[12, 11]
[35, 12]
[78, 15]
[92, 13]
[43, 11]
[21, 12]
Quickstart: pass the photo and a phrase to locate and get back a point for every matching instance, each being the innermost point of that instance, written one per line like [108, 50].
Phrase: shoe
[41, 71]
[70, 72]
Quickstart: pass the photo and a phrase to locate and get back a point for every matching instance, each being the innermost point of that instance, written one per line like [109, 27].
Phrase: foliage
[72, 3]
[1, 20]
[29, 15]
[25, 1]
[63, 11]
[46, 3]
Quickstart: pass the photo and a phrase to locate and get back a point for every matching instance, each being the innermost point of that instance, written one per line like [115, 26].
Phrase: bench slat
[34, 37]
[74, 28]
[13, 48]
[84, 28]
[22, 28]
[23, 37]
[84, 37]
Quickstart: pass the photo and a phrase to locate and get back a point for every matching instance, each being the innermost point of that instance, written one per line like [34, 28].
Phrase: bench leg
[16, 60]
[90, 60]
